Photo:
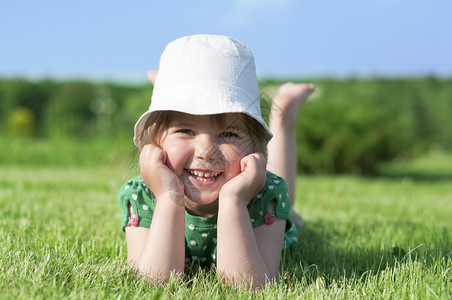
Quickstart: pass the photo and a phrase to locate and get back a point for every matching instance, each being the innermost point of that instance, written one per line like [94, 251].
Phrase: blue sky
[122, 40]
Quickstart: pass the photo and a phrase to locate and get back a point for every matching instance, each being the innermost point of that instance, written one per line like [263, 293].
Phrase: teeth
[205, 179]
[204, 174]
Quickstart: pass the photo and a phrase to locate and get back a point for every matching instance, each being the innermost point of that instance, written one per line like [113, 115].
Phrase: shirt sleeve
[275, 190]
[136, 193]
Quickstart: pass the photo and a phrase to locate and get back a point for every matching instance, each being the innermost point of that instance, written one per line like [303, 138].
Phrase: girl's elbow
[162, 277]
[248, 282]
[157, 275]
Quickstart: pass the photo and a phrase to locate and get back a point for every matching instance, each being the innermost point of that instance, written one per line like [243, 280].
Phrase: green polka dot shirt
[200, 232]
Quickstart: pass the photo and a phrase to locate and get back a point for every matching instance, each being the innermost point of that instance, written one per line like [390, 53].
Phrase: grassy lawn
[388, 237]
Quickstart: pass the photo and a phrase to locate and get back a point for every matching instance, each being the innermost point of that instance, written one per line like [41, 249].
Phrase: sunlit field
[385, 237]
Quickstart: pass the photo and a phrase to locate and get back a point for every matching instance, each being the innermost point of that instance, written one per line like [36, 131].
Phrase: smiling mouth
[204, 176]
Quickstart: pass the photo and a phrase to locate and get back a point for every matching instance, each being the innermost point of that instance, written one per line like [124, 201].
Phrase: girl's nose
[206, 149]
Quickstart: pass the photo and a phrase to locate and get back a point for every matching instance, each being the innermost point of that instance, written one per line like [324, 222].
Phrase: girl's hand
[249, 182]
[160, 179]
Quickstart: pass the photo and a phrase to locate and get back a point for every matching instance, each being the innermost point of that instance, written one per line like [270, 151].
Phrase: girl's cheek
[176, 155]
[233, 156]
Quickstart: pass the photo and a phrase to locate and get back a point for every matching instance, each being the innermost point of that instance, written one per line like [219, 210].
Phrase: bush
[347, 126]
[350, 126]
[22, 121]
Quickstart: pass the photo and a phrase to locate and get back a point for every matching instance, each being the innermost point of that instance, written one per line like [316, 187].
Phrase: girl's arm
[159, 250]
[247, 257]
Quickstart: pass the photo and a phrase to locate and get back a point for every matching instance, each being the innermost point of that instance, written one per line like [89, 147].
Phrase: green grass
[385, 238]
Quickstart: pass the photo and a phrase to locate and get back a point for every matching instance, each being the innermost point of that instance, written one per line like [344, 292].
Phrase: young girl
[206, 194]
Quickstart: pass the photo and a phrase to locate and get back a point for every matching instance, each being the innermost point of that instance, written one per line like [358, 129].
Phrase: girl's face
[205, 154]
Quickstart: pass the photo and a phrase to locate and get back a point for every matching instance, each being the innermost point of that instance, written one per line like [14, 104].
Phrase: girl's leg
[282, 148]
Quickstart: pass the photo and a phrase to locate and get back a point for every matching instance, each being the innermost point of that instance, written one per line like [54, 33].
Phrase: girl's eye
[186, 131]
[228, 135]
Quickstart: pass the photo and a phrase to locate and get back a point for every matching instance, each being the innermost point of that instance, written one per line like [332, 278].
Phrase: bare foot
[152, 75]
[287, 102]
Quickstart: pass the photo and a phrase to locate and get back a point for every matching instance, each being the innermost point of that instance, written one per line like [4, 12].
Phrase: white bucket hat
[205, 75]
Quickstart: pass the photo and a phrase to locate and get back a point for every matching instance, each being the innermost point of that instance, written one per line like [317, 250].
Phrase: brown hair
[159, 121]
